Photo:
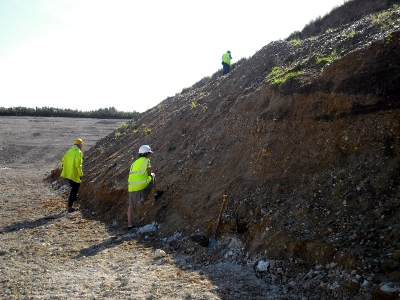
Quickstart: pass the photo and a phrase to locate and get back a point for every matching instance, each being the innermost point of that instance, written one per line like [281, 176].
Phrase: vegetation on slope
[304, 139]
[350, 11]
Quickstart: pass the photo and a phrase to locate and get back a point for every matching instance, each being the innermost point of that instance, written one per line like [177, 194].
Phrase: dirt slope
[310, 162]
[47, 253]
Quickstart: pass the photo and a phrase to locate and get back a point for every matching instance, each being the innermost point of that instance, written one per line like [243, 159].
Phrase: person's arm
[148, 165]
[62, 162]
[79, 164]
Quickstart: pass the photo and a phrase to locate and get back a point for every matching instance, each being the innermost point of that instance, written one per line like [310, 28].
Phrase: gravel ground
[46, 253]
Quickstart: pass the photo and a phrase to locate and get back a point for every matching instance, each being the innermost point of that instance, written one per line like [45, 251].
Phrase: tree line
[102, 113]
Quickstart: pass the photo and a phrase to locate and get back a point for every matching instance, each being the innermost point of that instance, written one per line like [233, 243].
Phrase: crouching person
[141, 181]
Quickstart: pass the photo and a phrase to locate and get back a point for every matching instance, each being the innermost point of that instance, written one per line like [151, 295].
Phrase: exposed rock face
[310, 162]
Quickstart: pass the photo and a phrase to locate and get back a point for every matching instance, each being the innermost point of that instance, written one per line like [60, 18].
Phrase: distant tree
[102, 113]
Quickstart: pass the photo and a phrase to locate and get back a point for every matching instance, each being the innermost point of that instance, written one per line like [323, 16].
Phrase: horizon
[60, 108]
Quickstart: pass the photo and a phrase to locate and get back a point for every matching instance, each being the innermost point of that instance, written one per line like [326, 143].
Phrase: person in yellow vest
[72, 170]
[141, 181]
[226, 62]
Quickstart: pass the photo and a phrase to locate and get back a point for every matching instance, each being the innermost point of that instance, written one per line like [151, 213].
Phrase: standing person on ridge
[72, 170]
[226, 62]
[141, 181]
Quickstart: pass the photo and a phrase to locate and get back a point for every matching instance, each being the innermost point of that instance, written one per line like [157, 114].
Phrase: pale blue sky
[129, 54]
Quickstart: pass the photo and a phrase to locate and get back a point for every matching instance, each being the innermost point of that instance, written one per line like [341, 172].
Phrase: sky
[131, 54]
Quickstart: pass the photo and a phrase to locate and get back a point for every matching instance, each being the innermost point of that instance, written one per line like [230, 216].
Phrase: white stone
[263, 266]
[229, 253]
[365, 282]
[159, 253]
[148, 228]
[235, 244]
[386, 288]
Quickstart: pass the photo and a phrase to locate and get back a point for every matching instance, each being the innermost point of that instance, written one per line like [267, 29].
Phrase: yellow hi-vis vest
[138, 178]
[72, 164]
[226, 59]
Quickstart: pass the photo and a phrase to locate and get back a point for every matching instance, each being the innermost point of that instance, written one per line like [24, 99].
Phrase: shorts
[139, 197]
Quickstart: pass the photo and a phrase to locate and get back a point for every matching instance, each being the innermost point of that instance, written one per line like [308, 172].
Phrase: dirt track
[46, 253]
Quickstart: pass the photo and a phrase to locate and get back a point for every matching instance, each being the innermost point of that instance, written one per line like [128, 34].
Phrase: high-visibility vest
[138, 178]
[226, 58]
[72, 165]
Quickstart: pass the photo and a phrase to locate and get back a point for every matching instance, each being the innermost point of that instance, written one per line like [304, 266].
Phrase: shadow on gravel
[31, 224]
[95, 249]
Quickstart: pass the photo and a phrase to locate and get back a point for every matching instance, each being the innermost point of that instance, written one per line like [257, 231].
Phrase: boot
[71, 209]
[158, 194]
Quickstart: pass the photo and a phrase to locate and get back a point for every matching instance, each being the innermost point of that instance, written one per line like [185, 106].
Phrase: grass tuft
[147, 131]
[280, 75]
[332, 57]
[295, 42]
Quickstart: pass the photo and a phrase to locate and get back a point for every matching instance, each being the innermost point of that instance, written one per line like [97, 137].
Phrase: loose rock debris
[47, 253]
[318, 213]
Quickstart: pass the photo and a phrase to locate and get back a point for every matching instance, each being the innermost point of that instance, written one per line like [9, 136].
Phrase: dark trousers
[73, 194]
[226, 68]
